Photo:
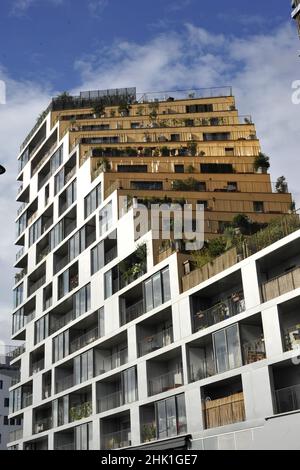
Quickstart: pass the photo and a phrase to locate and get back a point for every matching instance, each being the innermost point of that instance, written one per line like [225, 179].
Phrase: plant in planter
[281, 185]
[192, 148]
[261, 163]
[149, 432]
[124, 109]
[98, 110]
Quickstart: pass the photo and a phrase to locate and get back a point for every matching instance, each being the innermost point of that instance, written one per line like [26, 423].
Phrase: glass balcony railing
[84, 340]
[116, 440]
[157, 341]
[16, 435]
[112, 361]
[288, 399]
[165, 382]
[64, 383]
[42, 425]
[225, 309]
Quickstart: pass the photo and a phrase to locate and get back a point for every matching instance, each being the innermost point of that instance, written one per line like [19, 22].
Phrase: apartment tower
[128, 342]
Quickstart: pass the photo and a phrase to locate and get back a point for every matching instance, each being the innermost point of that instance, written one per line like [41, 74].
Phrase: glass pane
[233, 347]
[220, 351]
[171, 417]
[161, 419]
[181, 414]
[148, 295]
[157, 291]
[166, 284]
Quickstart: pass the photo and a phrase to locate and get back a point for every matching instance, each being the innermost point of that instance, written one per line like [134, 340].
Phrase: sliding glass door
[227, 349]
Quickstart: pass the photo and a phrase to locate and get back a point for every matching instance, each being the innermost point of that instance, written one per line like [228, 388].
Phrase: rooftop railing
[216, 92]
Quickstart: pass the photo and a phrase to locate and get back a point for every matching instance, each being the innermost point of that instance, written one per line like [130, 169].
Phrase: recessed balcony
[155, 333]
[286, 387]
[115, 432]
[165, 372]
[117, 390]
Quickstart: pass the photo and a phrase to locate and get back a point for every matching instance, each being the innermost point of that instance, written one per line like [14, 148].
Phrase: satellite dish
[2, 170]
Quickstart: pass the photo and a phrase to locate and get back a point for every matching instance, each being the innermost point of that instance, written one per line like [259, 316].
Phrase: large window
[92, 201]
[67, 198]
[157, 289]
[18, 295]
[15, 400]
[199, 108]
[214, 136]
[105, 218]
[97, 257]
[61, 346]
[82, 300]
[129, 385]
[84, 436]
[227, 349]
[21, 224]
[83, 367]
[41, 329]
[171, 417]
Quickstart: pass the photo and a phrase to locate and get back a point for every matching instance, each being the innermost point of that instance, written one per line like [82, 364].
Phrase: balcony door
[227, 349]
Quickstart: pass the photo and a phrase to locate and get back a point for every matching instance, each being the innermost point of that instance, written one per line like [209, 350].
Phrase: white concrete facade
[56, 418]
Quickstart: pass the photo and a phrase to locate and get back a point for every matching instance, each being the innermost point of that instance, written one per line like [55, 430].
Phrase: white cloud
[96, 7]
[260, 69]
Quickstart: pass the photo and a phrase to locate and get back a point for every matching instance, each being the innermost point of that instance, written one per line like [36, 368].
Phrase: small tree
[261, 161]
[281, 185]
[98, 109]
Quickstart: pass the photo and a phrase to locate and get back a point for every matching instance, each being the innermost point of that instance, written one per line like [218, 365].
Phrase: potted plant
[261, 163]
[124, 109]
[149, 432]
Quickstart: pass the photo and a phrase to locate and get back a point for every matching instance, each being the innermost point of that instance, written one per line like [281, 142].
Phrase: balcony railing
[16, 379]
[64, 383]
[17, 352]
[19, 276]
[133, 312]
[116, 440]
[16, 435]
[112, 361]
[69, 446]
[281, 284]
[20, 253]
[288, 399]
[111, 401]
[37, 366]
[225, 309]
[165, 382]
[41, 425]
[224, 411]
[27, 400]
[157, 341]
[84, 340]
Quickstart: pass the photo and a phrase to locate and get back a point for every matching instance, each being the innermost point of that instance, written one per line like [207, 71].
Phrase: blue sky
[48, 46]
[42, 39]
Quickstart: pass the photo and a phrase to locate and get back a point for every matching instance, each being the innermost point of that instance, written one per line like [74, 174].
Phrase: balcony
[117, 390]
[117, 440]
[165, 382]
[84, 340]
[281, 284]
[157, 341]
[80, 411]
[64, 383]
[155, 332]
[16, 435]
[223, 403]
[286, 387]
[37, 366]
[289, 319]
[42, 425]
[226, 349]
[225, 309]
[37, 279]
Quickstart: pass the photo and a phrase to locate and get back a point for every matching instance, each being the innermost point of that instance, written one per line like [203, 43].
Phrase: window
[84, 436]
[171, 417]
[105, 218]
[92, 201]
[41, 329]
[15, 400]
[129, 385]
[179, 168]
[59, 181]
[258, 206]
[18, 295]
[227, 348]
[82, 300]
[216, 168]
[68, 197]
[97, 257]
[83, 367]
[68, 280]
[147, 185]
[229, 152]
[213, 136]
[47, 194]
[35, 231]
[5, 420]
[175, 137]
[61, 346]
[132, 168]
[77, 244]
[200, 108]
[56, 160]
[21, 224]
[6, 402]
[1, 384]
[157, 289]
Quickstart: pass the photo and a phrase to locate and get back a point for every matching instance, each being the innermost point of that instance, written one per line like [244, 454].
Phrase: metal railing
[281, 284]
[41, 425]
[84, 340]
[153, 342]
[225, 309]
[116, 440]
[213, 92]
[288, 399]
[17, 352]
[165, 382]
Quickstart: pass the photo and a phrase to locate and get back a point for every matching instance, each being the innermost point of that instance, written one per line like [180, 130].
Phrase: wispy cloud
[96, 7]
[179, 5]
[20, 7]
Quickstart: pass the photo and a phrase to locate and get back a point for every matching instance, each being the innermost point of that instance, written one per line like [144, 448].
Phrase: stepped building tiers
[131, 340]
